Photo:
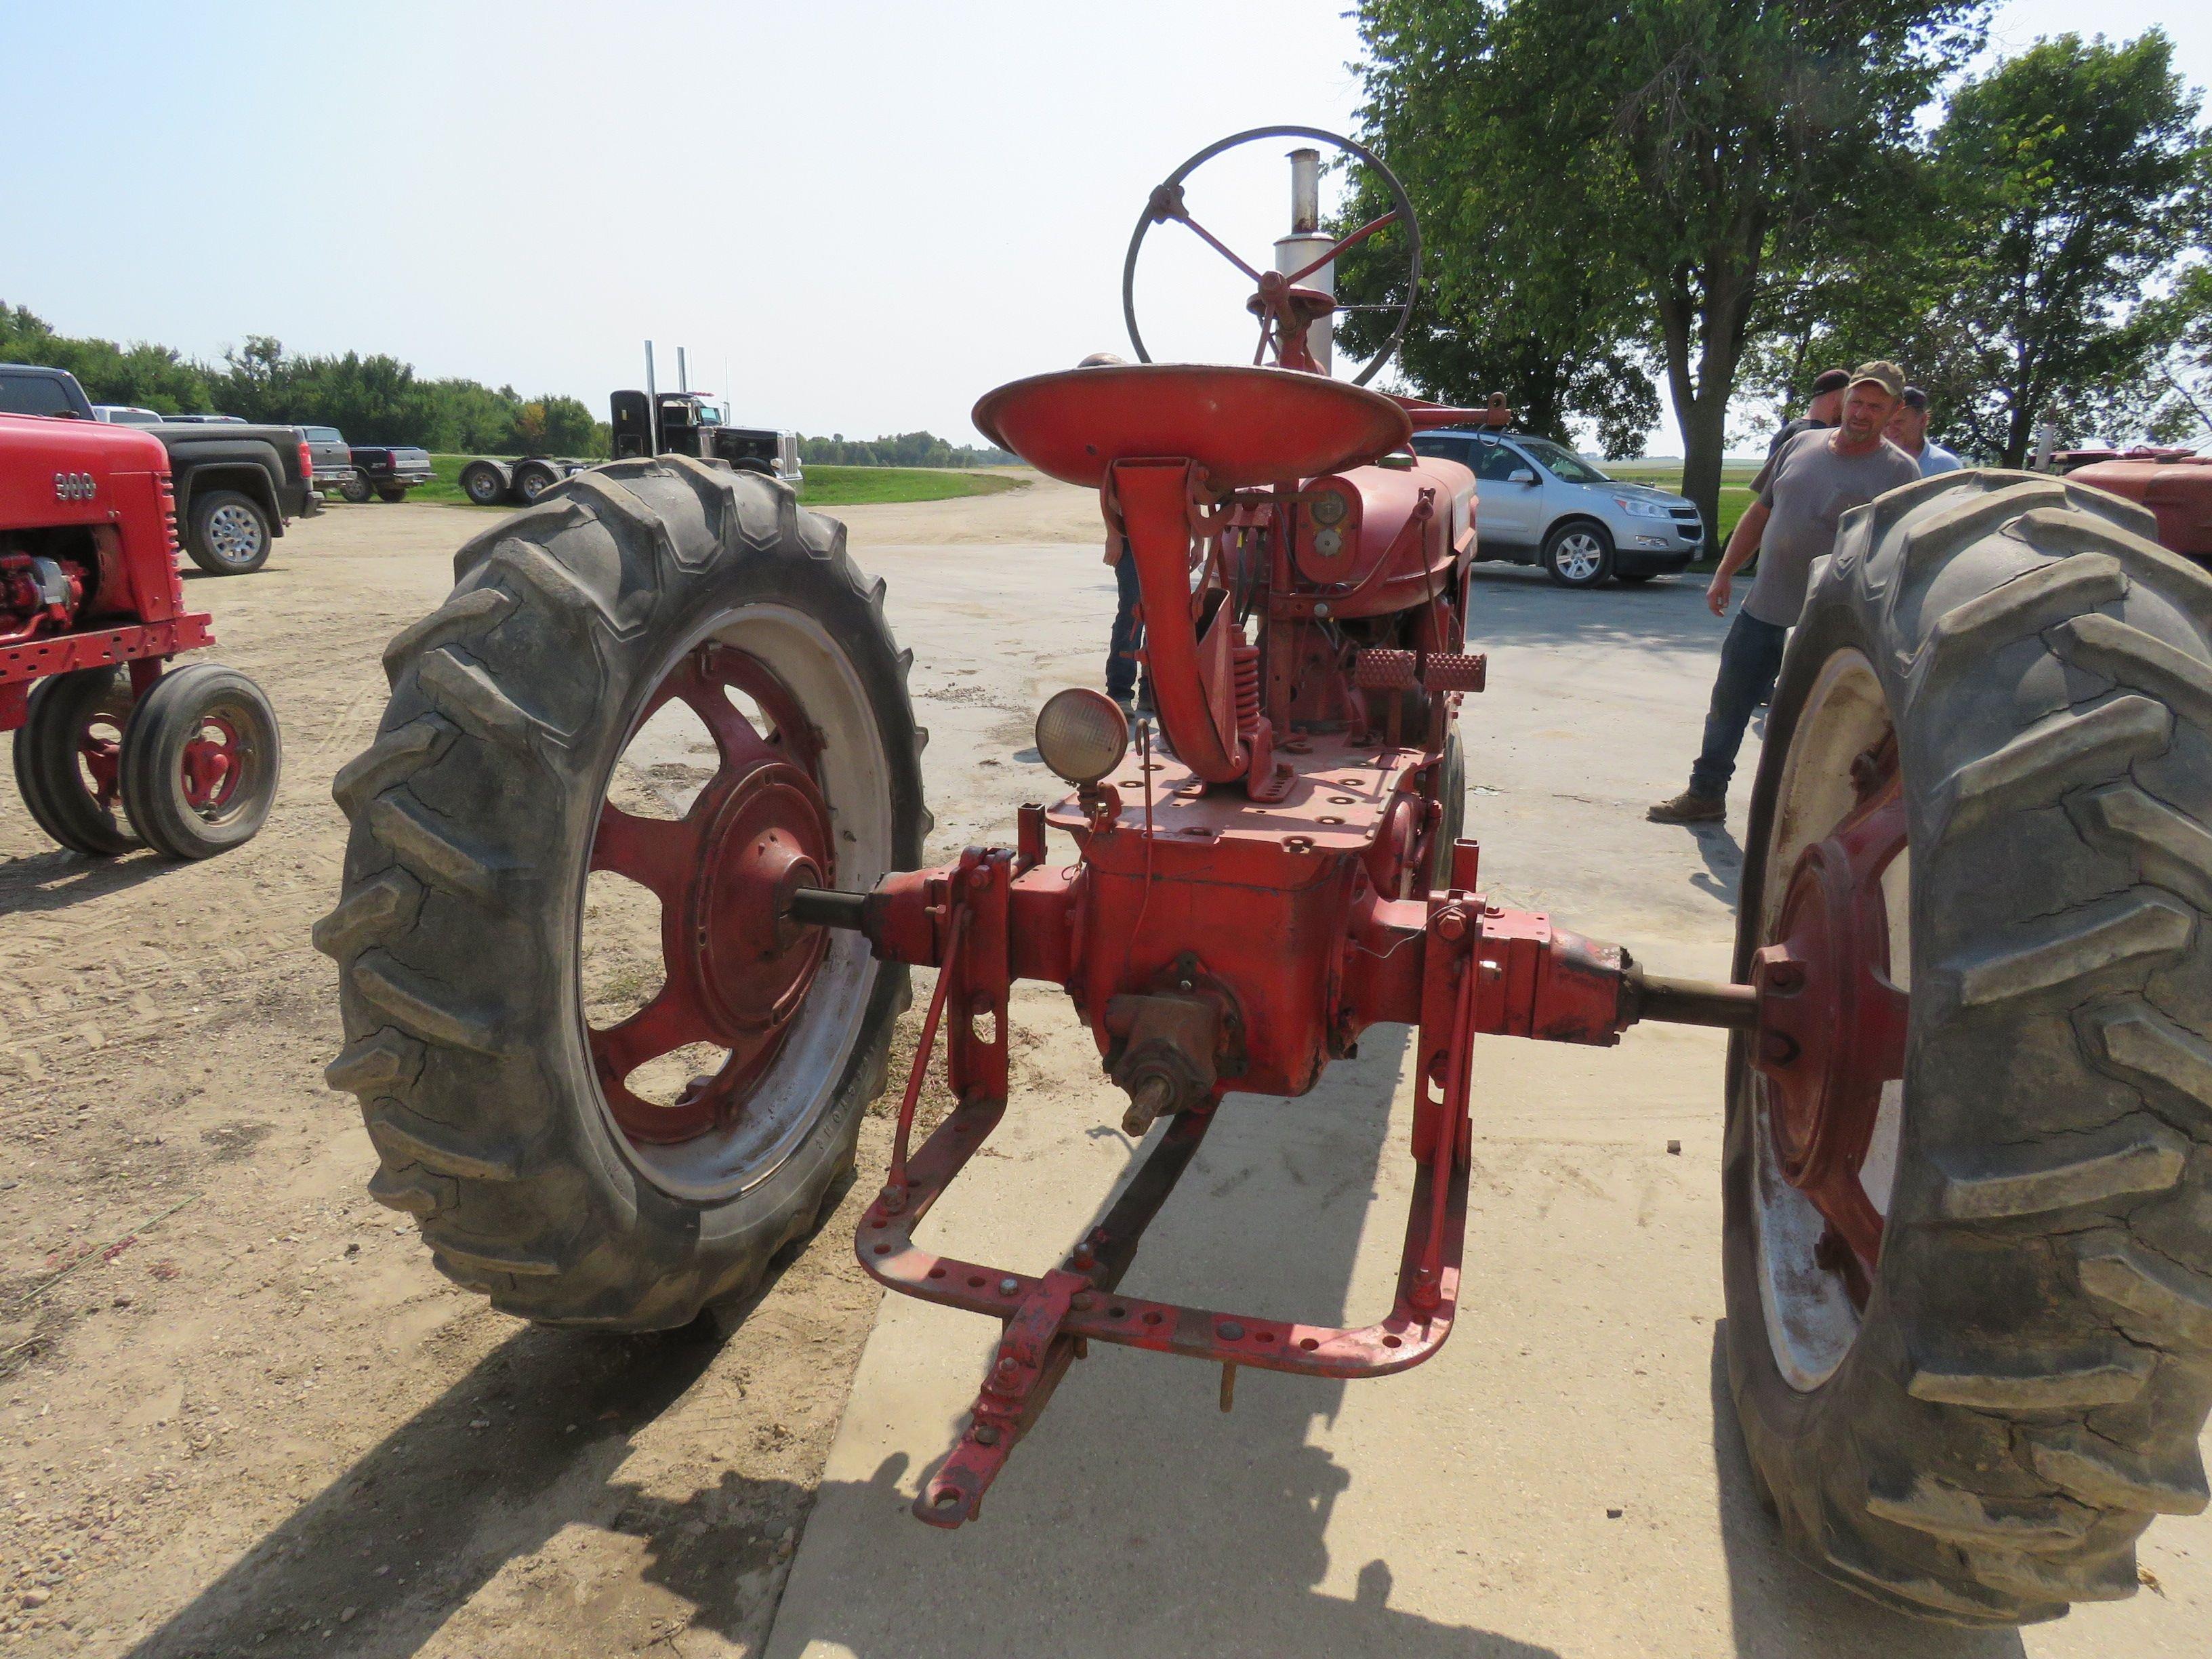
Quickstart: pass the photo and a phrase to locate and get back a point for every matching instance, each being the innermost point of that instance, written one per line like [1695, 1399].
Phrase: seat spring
[1245, 660]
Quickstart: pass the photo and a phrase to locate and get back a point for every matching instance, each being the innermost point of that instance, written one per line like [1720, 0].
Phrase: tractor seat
[1246, 427]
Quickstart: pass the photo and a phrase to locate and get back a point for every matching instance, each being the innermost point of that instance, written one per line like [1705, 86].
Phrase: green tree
[2080, 184]
[569, 427]
[148, 376]
[1519, 294]
[1693, 154]
[530, 428]
[2181, 411]
[466, 417]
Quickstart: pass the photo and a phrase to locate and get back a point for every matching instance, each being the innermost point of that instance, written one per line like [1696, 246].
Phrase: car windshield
[1562, 461]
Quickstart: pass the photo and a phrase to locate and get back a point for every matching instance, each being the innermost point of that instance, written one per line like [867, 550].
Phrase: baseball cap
[1882, 372]
[1915, 398]
[1830, 380]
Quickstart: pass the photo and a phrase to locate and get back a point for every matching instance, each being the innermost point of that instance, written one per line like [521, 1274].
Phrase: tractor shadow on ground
[56, 879]
[441, 1507]
[1777, 1606]
[1136, 1517]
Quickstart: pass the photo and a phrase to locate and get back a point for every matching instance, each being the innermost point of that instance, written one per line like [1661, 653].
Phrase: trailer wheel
[524, 1137]
[483, 483]
[201, 758]
[229, 533]
[355, 489]
[68, 756]
[1968, 1170]
[532, 480]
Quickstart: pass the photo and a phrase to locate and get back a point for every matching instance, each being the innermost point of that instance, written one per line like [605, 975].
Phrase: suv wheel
[1578, 554]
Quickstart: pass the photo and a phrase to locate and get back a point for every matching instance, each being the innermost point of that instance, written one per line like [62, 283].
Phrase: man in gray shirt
[1814, 479]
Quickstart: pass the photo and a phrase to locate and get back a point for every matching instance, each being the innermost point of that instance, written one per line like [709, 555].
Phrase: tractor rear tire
[1979, 1433]
[475, 815]
[189, 716]
[65, 713]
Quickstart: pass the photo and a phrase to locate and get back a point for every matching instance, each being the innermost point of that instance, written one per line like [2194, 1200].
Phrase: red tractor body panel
[2178, 489]
[87, 554]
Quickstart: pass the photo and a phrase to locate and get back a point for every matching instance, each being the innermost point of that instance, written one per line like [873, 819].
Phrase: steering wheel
[1284, 308]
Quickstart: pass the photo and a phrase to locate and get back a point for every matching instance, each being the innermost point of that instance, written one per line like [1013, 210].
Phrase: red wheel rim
[101, 758]
[1833, 1022]
[736, 969]
[213, 761]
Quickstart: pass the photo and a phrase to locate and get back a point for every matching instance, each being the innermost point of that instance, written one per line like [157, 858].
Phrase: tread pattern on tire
[2035, 1368]
[470, 810]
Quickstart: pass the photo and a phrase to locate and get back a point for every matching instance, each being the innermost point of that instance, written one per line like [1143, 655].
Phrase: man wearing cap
[1814, 479]
[1908, 430]
[1822, 413]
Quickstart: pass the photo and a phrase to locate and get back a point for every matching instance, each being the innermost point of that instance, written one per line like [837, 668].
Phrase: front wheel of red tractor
[600, 1065]
[201, 759]
[1968, 1169]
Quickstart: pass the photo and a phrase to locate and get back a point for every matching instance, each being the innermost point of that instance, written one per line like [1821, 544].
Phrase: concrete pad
[1467, 1507]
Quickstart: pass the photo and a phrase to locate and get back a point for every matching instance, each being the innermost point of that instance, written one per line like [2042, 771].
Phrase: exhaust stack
[1306, 243]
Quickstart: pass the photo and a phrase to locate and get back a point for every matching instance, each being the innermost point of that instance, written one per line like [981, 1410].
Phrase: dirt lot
[240, 1414]
[240, 1411]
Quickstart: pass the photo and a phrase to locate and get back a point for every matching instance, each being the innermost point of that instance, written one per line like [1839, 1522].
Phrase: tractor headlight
[1081, 735]
[1329, 508]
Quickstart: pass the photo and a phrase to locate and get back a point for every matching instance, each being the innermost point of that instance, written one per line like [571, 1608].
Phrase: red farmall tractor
[1968, 1168]
[114, 749]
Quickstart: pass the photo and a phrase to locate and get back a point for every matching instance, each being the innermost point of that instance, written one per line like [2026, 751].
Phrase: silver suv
[1543, 504]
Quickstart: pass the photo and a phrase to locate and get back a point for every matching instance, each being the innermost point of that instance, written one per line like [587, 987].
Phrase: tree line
[1727, 199]
[373, 399]
[904, 449]
[377, 399]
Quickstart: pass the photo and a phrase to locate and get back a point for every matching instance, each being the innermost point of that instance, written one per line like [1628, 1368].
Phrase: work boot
[1689, 807]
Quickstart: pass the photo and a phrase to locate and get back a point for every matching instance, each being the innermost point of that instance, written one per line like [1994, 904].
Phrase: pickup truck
[333, 458]
[388, 470]
[237, 486]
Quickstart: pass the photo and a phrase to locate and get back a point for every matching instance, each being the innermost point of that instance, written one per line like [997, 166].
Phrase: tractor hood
[55, 471]
[2178, 490]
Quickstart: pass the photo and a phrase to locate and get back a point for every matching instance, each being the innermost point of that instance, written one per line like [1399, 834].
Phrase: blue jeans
[1751, 656]
[1128, 632]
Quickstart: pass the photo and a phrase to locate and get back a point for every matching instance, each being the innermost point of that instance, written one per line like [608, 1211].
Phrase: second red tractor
[113, 747]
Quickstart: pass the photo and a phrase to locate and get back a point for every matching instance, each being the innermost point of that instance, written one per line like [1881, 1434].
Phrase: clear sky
[858, 216]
